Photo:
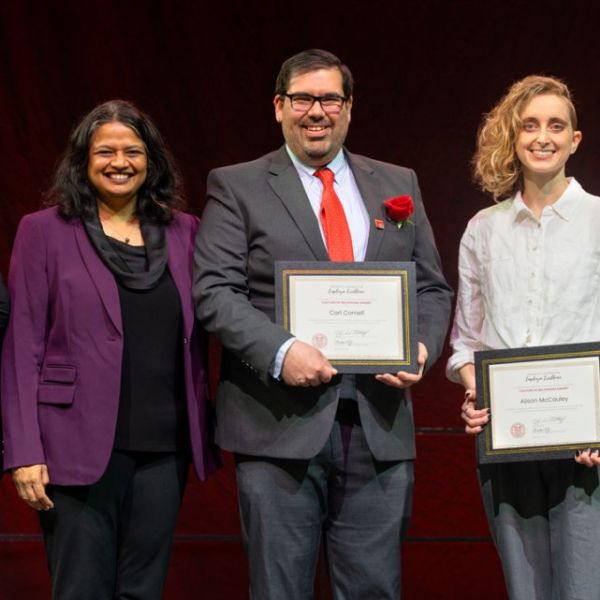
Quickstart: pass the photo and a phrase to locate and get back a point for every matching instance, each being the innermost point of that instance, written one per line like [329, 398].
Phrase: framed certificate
[544, 401]
[362, 315]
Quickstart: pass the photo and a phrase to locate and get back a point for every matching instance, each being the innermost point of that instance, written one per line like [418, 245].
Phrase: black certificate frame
[486, 451]
[404, 271]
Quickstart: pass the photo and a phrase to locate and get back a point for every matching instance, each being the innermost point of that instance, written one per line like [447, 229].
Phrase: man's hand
[306, 366]
[31, 485]
[402, 379]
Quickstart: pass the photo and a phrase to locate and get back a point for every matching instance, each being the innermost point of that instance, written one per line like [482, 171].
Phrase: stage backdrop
[425, 71]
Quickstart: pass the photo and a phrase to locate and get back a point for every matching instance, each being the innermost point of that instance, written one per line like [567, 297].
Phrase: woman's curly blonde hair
[496, 167]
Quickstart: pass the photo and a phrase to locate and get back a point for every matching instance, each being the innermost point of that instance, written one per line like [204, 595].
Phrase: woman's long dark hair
[160, 193]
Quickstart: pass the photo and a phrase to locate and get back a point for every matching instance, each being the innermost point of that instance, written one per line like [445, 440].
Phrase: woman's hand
[589, 458]
[475, 420]
[31, 485]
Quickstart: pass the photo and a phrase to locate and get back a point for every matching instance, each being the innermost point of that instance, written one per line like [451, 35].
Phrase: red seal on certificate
[517, 430]
[319, 340]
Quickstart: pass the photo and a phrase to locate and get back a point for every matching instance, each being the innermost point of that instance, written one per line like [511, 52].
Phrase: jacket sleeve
[221, 289]
[434, 295]
[24, 346]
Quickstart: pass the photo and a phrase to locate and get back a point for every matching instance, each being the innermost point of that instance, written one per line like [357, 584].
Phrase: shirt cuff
[456, 362]
[277, 364]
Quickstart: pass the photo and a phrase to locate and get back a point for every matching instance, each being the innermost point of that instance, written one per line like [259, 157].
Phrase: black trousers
[112, 539]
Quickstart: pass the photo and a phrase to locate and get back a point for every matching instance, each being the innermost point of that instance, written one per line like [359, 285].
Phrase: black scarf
[156, 253]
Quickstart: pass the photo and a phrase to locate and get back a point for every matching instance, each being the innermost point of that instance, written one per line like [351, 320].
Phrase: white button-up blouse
[528, 282]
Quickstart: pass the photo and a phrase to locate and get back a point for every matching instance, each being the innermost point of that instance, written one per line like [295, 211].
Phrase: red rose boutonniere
[400, 209]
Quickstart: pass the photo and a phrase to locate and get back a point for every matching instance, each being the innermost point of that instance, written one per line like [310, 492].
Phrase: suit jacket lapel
[285, 182]
[101, 276]
[372, 195]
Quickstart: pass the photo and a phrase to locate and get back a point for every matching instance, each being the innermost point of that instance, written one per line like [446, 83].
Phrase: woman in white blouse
[529, 275]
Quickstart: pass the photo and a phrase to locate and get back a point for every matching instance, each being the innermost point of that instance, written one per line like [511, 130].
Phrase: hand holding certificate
[360, 315]
[544, 402]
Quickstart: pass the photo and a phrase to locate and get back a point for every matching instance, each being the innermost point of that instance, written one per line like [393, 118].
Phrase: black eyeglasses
[330, 103]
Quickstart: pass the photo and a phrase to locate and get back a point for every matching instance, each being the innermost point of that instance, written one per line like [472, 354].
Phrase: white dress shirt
[346, 189]
[525, 281]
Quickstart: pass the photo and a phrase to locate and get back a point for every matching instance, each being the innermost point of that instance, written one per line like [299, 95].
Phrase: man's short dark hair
[312, 60]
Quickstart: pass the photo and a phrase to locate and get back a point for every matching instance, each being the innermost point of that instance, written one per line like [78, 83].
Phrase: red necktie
[333, 220]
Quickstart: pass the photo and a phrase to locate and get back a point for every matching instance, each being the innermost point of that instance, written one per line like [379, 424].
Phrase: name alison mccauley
[544, 399]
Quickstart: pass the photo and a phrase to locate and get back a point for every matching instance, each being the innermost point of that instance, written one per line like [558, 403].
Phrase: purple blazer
[61, 362]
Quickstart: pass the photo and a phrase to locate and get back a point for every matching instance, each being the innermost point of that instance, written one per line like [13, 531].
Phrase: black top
[152, 412]
[155, 247]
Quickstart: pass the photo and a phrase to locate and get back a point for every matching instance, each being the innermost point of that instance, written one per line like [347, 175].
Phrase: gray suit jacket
[258, 213]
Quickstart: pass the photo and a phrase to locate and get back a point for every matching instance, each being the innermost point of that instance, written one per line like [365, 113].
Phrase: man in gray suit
[316, 453]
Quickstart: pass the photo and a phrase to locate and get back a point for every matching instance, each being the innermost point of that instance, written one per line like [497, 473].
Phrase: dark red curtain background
[425, 71]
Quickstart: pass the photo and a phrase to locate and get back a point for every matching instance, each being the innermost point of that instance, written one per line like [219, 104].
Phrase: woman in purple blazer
[104, 386]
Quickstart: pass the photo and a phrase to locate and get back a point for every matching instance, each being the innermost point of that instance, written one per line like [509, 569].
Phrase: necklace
[109, 228]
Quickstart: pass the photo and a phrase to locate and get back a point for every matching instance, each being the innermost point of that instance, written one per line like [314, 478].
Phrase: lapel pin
[379, 224]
